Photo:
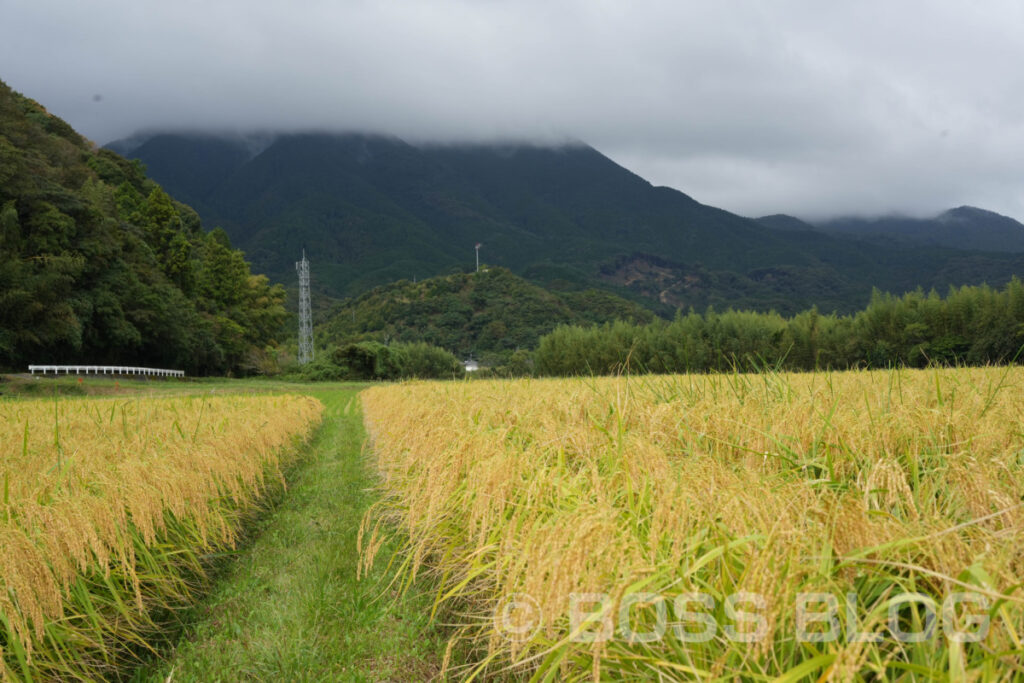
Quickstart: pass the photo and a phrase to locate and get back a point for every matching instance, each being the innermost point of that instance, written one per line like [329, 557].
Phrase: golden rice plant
[109, 510]
[820, 526]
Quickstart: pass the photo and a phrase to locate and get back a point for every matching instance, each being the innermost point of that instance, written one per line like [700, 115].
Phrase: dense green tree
[99, 265]
[370, 360]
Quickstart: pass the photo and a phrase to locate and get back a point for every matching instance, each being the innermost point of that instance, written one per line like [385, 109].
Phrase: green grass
[289, 606]
[14, 386]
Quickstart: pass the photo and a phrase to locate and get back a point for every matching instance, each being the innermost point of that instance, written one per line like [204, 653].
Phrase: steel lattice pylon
[305, 312]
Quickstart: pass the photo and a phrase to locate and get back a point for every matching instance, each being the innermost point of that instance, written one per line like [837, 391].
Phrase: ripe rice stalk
[109, 508]
[679, 493]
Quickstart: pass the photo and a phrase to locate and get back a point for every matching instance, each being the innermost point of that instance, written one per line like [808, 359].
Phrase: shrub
[419, 359]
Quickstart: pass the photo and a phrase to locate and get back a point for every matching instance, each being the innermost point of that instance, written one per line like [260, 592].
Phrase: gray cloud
[791, 106]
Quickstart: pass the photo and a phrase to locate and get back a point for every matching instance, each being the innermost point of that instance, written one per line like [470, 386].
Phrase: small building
[470, 365]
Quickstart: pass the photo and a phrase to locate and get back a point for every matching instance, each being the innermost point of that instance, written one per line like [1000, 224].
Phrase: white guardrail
[104, 370]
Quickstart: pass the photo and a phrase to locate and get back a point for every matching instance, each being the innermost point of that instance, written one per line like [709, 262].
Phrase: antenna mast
[305, 312]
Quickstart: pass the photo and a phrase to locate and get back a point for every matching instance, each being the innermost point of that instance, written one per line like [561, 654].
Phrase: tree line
[971, 325]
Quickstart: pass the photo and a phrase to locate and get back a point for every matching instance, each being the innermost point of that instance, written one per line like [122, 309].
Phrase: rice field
[111, 510]
[820, 526]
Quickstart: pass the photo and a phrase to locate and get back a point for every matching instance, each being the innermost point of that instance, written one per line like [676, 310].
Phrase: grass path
[290, 607]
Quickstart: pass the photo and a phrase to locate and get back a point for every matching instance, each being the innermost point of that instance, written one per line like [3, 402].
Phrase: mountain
[487, 315]
[371, 210]
[98, 265]
[965, 227]
[781, 221]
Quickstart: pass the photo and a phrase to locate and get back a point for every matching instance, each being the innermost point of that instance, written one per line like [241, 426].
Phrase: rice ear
[107, 506]
[862, 483]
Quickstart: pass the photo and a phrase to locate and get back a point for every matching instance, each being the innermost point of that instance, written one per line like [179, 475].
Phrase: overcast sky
[757, 106]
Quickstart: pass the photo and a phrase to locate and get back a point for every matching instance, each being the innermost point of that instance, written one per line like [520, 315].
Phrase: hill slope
[965, 227]
[99, 265]
[373, 209]
[486, 315]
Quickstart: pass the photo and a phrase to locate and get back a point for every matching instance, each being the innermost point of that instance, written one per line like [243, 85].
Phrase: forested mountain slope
[98, 265]
[964, 227]
[372, 209]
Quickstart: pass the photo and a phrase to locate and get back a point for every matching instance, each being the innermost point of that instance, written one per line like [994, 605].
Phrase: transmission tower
[305, 312]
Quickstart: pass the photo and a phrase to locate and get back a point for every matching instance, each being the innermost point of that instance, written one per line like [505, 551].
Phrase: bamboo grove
[971, 325]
